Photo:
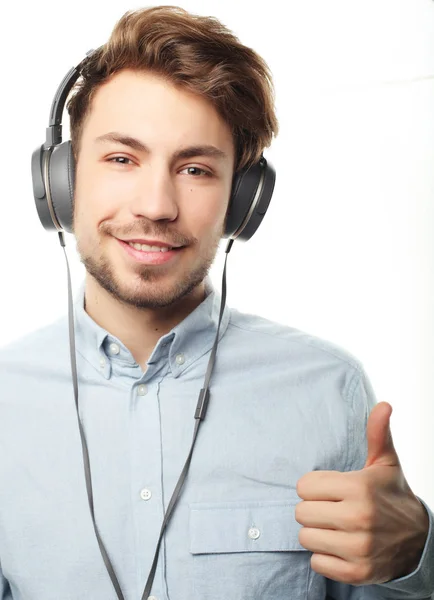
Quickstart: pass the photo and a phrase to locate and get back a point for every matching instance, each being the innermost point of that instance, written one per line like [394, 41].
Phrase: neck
[139, 329]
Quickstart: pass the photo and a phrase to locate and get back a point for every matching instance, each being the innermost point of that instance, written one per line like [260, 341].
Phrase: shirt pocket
[249, 550]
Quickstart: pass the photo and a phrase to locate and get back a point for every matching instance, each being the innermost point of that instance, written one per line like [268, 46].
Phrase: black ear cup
[53, 176]
[252, 189]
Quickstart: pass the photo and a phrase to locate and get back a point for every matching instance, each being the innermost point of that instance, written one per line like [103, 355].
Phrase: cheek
[204, 223]
[95, 183]
[94, 202]
[204, 213]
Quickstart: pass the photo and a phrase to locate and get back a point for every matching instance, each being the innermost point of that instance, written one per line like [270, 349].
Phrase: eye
[204, 173]
[115, 158]
[195, 170]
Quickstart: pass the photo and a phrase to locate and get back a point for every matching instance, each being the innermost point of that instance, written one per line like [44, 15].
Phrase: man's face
[150, 193]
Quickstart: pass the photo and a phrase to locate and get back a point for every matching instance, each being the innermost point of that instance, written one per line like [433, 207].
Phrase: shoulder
[36, 348]
[267, 335]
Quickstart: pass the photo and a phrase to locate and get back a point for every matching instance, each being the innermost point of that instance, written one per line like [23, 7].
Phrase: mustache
[154, 231]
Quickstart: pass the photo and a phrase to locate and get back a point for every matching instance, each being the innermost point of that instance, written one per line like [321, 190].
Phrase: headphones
[53, 176]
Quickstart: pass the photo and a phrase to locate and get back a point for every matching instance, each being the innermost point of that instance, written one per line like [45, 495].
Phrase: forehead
[145, 104]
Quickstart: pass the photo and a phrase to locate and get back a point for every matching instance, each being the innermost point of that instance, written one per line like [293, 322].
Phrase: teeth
[147, 248]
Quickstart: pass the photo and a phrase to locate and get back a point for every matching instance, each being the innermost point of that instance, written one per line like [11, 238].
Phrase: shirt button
[142, 390]
[102, 362]
[180, 359]
[114, 348]
[254, 533]
[145, 494]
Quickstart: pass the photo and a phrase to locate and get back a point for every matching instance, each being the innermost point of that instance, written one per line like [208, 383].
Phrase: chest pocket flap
[268, 526]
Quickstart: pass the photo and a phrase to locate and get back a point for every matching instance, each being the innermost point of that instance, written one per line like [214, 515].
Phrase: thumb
[381, 450]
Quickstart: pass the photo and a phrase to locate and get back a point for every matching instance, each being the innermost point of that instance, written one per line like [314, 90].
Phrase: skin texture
[149, 195]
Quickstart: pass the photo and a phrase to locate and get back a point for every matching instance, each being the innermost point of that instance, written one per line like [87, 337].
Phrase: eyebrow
[139, 146]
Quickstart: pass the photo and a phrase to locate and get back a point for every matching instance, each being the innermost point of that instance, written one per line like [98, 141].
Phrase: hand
[366, 526]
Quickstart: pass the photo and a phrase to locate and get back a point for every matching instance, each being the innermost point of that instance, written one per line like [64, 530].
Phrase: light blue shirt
[283, 403]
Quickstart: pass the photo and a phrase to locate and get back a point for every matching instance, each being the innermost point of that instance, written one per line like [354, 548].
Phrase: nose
[155, 196]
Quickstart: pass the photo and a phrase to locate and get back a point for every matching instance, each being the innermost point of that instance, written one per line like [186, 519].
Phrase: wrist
[416, 544]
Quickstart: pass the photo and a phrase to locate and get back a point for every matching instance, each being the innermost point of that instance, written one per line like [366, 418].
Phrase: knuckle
[363, 573]
[365, 518]
[356, 576]
[366, 488]
[350, 575]
[365, 546]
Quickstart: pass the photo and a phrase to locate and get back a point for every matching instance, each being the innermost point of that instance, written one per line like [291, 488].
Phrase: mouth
[148, 246]
[150, 255]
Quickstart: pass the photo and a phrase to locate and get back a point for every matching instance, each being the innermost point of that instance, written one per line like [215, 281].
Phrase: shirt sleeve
[5, 590]
[418, 585]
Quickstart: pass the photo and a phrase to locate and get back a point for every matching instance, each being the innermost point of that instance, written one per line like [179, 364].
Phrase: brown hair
[197, 53]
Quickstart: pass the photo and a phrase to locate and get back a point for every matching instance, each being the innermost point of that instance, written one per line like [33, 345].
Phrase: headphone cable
[199, 415]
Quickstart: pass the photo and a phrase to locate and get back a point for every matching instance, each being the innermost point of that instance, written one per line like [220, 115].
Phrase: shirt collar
[184, 344]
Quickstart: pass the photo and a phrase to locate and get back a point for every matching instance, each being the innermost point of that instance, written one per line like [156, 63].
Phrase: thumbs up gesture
[366, 526]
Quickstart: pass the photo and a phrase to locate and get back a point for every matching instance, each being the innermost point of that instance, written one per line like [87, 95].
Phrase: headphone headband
[54, 129]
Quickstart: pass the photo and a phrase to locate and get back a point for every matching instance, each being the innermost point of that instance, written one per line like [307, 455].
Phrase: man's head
[180, 85]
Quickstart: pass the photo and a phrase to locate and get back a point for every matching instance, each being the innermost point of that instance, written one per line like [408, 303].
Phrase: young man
[291, 493]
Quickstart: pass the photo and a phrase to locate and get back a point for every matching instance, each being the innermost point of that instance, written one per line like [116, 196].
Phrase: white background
[345, 251]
